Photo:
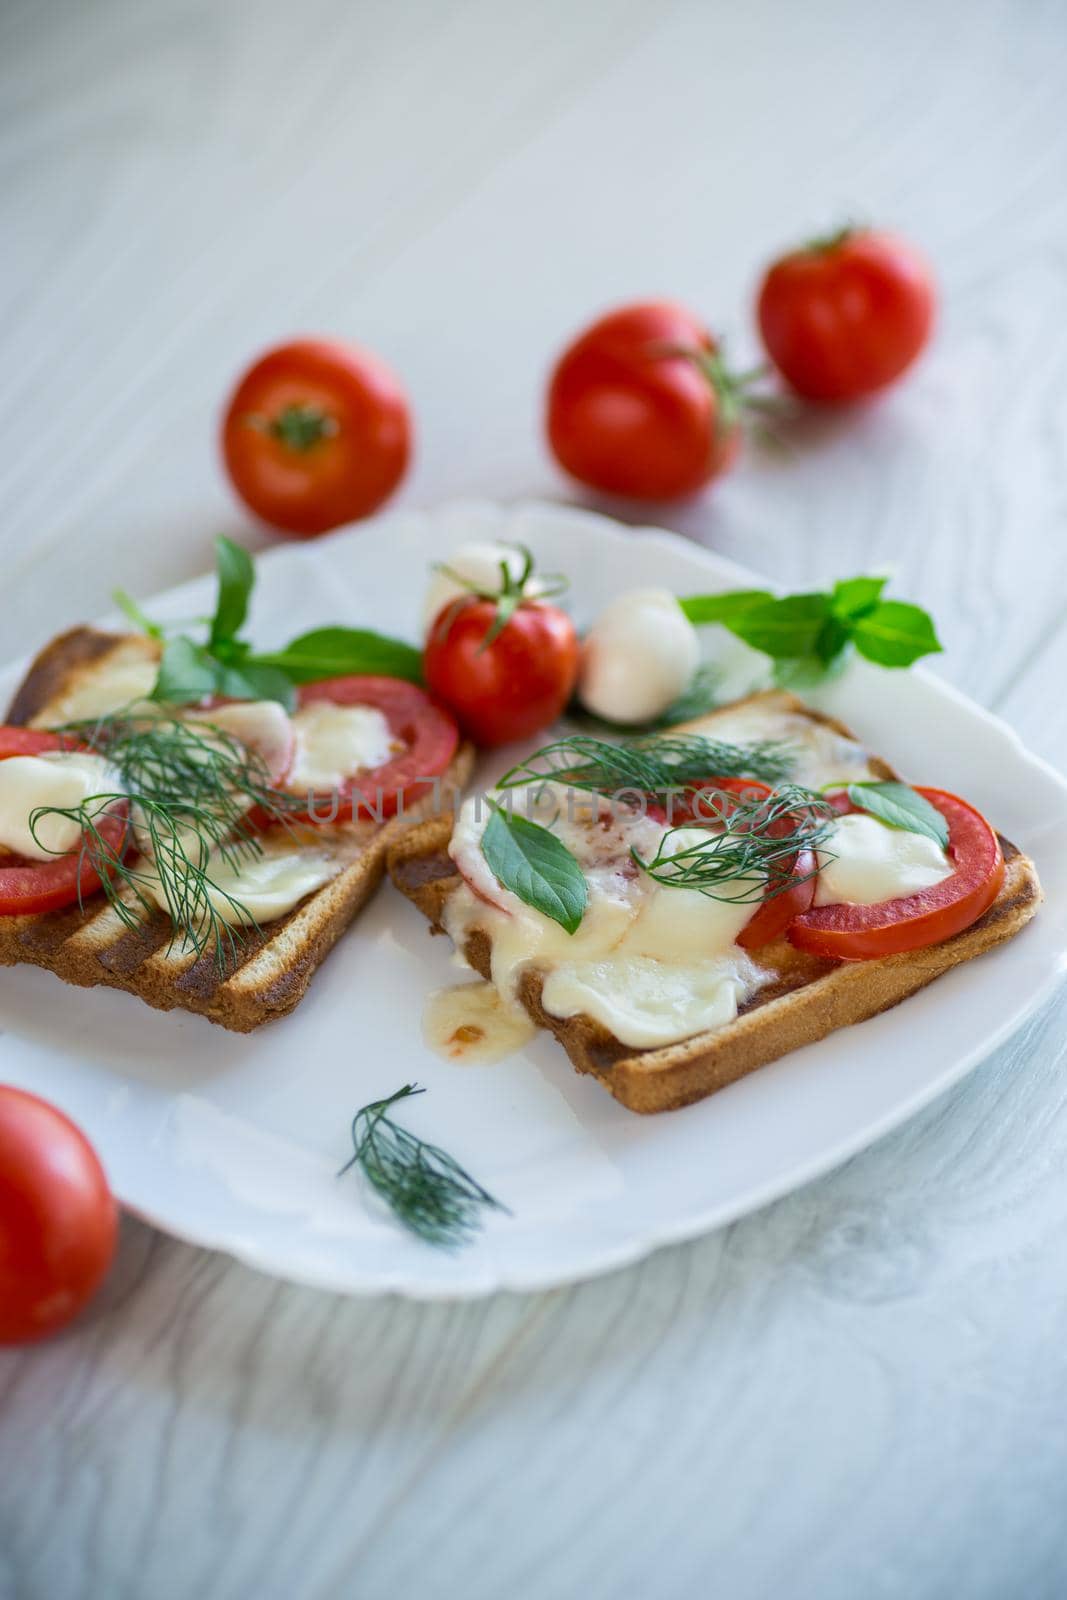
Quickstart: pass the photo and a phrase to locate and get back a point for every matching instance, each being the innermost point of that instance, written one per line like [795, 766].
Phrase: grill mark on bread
[273, 966]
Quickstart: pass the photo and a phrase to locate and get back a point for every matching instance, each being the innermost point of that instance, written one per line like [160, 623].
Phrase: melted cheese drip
[333, 742]
[473, 1024]
[865, 862]
[64, 779]
[259, 889]
[652, 962]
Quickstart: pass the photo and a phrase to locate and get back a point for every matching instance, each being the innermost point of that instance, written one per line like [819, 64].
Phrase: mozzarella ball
[479, 563]
[638, 657]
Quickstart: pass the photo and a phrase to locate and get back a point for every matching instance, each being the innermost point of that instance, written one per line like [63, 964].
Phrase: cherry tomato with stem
[503, 662]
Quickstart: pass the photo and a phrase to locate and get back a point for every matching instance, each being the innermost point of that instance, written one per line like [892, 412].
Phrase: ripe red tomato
[57, 1219]
[848, 932]
[844, 316]
[425, 738]
[29, 887]
[642, 405]
[513, 685]
[316, 433]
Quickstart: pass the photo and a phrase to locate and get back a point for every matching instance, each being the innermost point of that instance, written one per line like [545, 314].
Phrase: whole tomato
[844, 316]
[317, 433]
[57, 1219]
[641, 404]
[505, 664]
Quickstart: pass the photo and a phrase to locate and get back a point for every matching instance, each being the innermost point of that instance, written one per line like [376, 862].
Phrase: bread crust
[66, 661]
[808, 998]
[270, 973]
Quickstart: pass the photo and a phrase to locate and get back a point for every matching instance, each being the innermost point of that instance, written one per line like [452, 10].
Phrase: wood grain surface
[858, 1391]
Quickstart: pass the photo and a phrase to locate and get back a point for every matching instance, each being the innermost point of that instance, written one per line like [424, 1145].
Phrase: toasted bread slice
[806, 998]
[272, 969]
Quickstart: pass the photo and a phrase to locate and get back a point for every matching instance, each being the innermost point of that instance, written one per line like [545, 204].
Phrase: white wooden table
[860, 1390]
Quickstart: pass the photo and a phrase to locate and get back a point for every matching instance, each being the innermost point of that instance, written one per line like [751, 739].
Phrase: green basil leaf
[340, 652]
[854, 597]
[899, 806]
[187, 672]
[831, 640]
[700, 608]
[535, 865]
[895, 634]
[236, 577]
[781, 628]
[251, 681]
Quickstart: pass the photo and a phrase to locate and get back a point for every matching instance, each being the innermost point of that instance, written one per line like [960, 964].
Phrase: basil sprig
[808, 635]
[331, 652]
[535, 865]
[899, 806]
[225, 664]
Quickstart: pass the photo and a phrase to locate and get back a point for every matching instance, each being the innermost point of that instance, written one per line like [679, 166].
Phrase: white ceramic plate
[234, 1142]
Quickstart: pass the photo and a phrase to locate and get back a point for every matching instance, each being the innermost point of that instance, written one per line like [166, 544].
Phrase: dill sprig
[189, 787]
[650, 764]
[753, 855]
[425, 1188]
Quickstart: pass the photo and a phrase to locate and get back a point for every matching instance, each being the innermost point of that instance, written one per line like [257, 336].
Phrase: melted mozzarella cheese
[258, 889]
[677, 969]
[333, 742]
[638, 656]
[647, 1002]
[863, 862]
[61, 779]
[654, 963]
[820, 754]
[121, 684]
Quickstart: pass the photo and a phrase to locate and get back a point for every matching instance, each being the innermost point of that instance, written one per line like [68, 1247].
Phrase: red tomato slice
[28, 887]
[863, 933]
[776, 915]
[31, 742]
[427, 733]
[773, 916]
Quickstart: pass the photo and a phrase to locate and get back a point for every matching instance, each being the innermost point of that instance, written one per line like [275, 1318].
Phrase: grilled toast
[806, 997]
[270, 972]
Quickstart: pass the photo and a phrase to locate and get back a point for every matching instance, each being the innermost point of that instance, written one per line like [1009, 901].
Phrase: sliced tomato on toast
[846, 932]
[30, 887]
[424, 737]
